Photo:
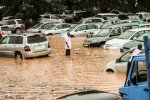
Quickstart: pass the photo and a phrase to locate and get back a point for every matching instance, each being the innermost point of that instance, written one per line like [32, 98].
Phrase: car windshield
[104, 32]
[37, 25]
[72, 28]
[36, 39]
[126, 35]
[50, 27]
[141, 37]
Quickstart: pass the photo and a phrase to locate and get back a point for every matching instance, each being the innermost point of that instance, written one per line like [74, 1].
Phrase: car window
[104, 32]
[12, 40]
[11, 22]
[47, 26]
[139, 73]
[4, 40]
[5, 29]
[116, 32]
[97, 20]
[59, 27]
[81, 28]
[19, 21]
[136, 35]
[125, 28]
[54, 17]
[66, 26]
[89, 21]
[19, 40]
[36, 39]
[125, 57]
[91, 27]
[46, 16]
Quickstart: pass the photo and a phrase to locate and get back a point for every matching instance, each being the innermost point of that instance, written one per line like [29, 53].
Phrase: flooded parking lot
[48, 78]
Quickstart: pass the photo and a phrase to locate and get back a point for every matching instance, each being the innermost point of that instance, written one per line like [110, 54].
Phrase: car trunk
[37, 43]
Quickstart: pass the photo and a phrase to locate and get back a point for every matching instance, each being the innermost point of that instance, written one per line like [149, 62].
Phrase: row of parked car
[99, 30]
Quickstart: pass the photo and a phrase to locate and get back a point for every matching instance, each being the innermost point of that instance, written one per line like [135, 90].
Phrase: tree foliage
[32, 8]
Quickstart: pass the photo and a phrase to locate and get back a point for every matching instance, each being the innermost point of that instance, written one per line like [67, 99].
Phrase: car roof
[25, 34]
[124, 24]
[106, 14]
[139, 29]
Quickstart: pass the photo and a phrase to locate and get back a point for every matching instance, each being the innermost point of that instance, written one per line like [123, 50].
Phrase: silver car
[24, 45]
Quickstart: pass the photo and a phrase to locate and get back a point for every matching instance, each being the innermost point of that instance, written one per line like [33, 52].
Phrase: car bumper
[36, 54]
[87, 44]
[111, 48]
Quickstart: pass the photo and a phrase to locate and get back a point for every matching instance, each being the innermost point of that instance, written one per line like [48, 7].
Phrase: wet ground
[50, 77]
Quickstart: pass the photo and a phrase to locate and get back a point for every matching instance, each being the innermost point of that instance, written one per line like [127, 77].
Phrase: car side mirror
[117, 60]
[134, 38]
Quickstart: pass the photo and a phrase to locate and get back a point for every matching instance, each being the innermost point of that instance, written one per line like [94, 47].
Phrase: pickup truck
[137, 84]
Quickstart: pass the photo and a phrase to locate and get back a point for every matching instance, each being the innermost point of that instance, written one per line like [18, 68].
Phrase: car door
[11, 24]
[121, 63]
[137, 81]
[91, 28]
[10, 46]
[80, 31]
[115, 33]
[3, 44]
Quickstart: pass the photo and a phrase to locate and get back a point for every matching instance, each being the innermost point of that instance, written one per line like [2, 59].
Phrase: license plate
[39, 47]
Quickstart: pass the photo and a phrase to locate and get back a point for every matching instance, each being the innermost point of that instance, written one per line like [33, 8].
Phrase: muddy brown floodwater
[50, 77]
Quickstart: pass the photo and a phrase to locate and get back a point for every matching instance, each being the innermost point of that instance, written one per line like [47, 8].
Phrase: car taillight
[27, 48]
[1, 33]
[49, 45]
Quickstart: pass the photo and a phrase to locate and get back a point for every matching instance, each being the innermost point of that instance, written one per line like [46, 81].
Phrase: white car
[127, 36]
[82, 29]
[50, 17]
[40, 25]
[119, 65]
[56, 29]
[4, 30]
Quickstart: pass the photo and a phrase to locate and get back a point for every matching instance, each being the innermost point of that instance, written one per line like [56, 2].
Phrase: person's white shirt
[134, 53]
[67, 42]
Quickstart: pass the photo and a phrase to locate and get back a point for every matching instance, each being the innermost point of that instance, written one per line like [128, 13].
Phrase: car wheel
[18, 56]
[50, 34]
[18, 30]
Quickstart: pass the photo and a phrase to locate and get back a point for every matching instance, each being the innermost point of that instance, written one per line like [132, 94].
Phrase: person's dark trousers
[68, 52]
[128, 68]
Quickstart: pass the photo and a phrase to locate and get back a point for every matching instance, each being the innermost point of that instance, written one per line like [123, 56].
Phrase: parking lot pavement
[48, 78]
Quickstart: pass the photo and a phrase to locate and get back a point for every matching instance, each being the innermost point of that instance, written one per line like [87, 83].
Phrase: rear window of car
[20, 21]
[36, 39]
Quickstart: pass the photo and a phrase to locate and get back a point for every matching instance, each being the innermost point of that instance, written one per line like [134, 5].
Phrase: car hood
[110, 65]
[90, 95]
[132, 44]
[98, 39]
[32, 30]
[117, 42]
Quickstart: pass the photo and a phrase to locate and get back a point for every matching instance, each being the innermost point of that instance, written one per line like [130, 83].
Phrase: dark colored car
[91, 95]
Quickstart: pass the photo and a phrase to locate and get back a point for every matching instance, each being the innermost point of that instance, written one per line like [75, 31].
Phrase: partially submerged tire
[18, 56]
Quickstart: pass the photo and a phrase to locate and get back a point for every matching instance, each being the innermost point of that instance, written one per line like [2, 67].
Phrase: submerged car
[82, 29]
[25, 45]
[108, 33]
[15, 25]
[90, 95]
[129, 45]
[127, 36]
[41, 25]
[120, 64]
[57, 28]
